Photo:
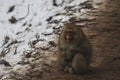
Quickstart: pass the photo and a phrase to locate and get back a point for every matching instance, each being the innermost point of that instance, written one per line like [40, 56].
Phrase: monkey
[75, 51]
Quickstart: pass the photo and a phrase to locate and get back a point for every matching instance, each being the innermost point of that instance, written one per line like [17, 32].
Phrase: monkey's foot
[69, 70]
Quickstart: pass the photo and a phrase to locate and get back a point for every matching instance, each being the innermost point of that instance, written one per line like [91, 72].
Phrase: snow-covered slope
[36, 21]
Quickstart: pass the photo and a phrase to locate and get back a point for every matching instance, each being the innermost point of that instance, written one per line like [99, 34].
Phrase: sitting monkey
[74, 50]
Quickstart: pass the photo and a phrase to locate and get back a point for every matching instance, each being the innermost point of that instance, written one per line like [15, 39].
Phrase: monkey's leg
[79, 64]
[62, 62]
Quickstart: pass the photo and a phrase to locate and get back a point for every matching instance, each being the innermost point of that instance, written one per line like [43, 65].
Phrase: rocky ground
[102, 28]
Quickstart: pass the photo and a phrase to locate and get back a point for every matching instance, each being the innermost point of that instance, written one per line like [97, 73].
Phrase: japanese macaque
[74, 50]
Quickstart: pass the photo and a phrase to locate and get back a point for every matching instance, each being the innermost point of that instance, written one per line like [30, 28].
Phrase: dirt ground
[104, 34]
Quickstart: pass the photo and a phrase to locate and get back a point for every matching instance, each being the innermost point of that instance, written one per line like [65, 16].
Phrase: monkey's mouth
[68, 37]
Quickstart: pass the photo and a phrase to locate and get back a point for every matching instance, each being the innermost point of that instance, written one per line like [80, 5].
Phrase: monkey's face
[69, 32]
[69, 35]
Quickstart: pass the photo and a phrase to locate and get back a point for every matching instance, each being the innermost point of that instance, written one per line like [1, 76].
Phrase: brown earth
[104, 34]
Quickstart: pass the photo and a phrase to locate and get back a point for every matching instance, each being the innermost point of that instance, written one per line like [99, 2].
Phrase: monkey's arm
[87, 51]
[61, 60]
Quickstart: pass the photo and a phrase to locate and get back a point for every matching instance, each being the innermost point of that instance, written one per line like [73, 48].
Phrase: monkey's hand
[69, 56]
[71, 53]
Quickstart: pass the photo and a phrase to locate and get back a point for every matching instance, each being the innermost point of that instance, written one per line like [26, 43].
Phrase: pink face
[69, 35]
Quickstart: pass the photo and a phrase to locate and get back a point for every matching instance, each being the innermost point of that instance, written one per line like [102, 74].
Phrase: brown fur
[75, 53]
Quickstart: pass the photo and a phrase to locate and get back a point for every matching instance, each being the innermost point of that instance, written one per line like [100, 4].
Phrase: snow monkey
[74, 50]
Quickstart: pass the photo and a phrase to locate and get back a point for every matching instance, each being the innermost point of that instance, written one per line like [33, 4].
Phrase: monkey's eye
[69, 32]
